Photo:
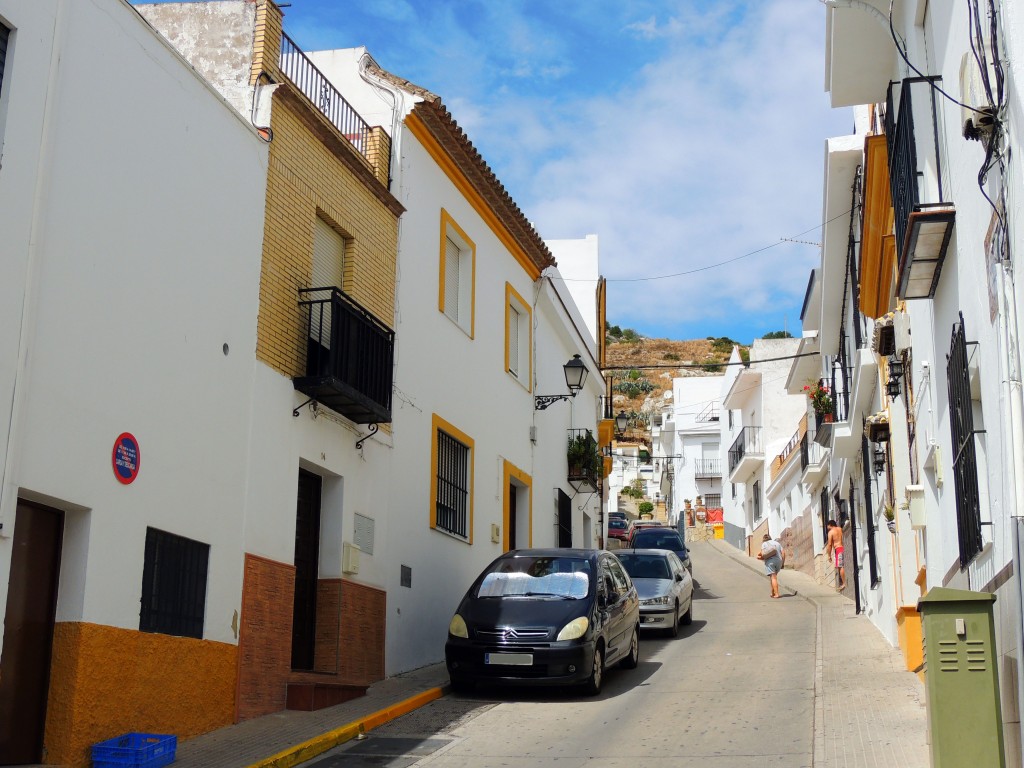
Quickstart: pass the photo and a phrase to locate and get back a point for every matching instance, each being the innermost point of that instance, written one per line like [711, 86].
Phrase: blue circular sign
[126, 458]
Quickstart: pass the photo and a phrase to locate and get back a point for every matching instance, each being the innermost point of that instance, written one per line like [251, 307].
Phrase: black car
[545, 617]
[661, 538]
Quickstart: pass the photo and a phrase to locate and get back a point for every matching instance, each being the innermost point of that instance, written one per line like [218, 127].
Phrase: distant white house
[757, 425]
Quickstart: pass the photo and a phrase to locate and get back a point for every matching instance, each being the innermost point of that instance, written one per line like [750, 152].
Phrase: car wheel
[459, 685]
[673, 631]
[593, 685]
[633, 658]
[688, 616]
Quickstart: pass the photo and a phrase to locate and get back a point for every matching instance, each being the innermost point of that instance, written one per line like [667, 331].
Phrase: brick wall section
[306, 178]
[266, 53]
[378, 152]
[265, 637]
[363, 611]
[327, 643]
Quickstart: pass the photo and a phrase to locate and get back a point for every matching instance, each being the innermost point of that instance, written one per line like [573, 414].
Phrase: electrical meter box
[961, 678]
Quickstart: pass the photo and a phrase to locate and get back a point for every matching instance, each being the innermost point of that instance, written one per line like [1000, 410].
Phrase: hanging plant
[819, 396]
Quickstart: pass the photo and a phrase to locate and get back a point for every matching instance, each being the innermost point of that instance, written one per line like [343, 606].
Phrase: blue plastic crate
[140, 750]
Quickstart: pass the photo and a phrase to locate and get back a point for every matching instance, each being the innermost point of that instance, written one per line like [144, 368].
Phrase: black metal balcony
[707, 468]
[924, 219]
[745, 453]
[349, 357]
[584, 460]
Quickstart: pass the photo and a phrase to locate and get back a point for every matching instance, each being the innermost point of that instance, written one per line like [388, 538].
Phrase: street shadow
[700, 593]
[659, 640]
[617, 681]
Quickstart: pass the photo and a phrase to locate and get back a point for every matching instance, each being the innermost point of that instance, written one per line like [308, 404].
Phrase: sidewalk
[288, 738]
[869, 711]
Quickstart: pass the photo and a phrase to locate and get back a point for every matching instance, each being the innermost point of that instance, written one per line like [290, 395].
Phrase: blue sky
[683, 133]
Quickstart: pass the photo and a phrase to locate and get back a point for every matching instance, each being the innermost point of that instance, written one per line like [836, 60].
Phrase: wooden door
[28, 632]
[307, 569]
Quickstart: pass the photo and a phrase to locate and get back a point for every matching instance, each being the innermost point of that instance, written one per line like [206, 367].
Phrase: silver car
[664, 586]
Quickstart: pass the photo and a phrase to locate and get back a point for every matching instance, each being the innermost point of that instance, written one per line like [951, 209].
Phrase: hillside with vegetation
[641, 369]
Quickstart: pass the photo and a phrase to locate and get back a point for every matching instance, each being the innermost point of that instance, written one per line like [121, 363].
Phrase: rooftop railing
[314, 84]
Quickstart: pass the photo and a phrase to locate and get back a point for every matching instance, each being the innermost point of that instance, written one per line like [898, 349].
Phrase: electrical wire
[710, 266]
[901, 51]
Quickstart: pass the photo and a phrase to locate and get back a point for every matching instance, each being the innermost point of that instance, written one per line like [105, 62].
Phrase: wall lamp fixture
[575, 375]
[879, 459]
[621, 422]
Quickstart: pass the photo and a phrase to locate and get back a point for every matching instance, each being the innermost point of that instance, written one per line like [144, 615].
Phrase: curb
[307, 750]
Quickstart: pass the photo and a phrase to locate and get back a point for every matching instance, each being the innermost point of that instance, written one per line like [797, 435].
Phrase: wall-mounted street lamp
[892, 389]
[621, 422]
[879, 459]
[575, 375]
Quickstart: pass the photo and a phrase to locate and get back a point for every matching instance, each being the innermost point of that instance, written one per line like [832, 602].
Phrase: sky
[688, 135]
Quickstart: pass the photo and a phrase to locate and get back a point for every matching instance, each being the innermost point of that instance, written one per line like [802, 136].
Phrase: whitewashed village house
[216, 423]
[128, 311]
[924, 357]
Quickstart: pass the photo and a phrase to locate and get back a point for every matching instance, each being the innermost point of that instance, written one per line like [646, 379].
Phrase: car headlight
[574, 630]
[457, 627]
[661, 600]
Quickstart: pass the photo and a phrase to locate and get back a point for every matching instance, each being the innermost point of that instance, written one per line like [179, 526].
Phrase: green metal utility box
[961, 679]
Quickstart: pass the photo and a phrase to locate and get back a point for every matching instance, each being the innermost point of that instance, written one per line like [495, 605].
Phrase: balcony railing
[707, 468]
[584, 459]
[748, 443]
[349, 356]
[710, 413]
[318, 89]
[923, 217]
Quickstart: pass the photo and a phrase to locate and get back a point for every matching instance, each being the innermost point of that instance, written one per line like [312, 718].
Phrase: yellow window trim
[512, 472]
[439, 424]
[512, 295]
[451, 170]
[448, 223]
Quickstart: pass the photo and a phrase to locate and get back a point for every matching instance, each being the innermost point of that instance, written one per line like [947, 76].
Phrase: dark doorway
[512, 516]
[28, 632]
[307, 568]
[564, 519]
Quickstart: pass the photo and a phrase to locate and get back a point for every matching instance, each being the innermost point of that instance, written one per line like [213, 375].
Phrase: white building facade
[127, 325]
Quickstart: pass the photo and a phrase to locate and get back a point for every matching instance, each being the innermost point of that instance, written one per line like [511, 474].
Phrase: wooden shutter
[513, 340]
[452, 257]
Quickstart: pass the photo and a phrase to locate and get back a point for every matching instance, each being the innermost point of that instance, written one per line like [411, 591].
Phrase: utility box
[961, 679]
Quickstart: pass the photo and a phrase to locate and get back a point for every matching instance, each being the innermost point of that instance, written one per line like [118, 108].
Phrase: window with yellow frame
[451, 480]
[456, 294]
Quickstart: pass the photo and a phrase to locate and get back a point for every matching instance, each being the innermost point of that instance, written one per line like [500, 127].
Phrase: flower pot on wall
[891, 525]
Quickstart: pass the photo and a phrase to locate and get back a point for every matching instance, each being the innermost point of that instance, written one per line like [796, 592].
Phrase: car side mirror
[679, 577]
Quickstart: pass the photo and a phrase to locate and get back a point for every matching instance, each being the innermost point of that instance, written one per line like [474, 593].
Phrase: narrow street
[734, 689]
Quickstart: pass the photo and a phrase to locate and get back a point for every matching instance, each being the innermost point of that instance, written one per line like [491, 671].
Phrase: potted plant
[582, 455]
[820, 399]
[890, 517]
[646, 508]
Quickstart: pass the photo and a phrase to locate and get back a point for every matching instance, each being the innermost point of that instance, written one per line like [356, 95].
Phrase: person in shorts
[834, 549]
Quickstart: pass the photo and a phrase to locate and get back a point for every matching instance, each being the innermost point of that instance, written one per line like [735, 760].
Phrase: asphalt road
[734, 690]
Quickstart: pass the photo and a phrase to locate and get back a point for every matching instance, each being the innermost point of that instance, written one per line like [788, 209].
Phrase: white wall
[125, 277]
[579, 267]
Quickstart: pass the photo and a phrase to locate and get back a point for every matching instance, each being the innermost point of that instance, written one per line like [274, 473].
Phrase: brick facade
[363, 611]
[265, 637]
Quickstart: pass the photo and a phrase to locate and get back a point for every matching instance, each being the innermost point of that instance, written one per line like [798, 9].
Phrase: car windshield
[658, 540]
[553, 577]
[645, 566]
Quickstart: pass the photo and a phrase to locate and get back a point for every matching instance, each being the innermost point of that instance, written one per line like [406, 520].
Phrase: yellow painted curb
[307, 750]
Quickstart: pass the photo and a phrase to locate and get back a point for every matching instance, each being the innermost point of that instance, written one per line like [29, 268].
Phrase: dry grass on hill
[642, 352]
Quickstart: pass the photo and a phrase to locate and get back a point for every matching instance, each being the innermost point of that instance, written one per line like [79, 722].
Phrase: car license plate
[509, 659]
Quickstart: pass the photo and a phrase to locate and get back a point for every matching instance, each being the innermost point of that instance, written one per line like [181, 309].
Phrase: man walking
[834, 549]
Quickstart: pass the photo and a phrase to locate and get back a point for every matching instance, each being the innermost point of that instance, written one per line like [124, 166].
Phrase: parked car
[545, 617]
[617, 515]
[618, 529]
[661, 538]
[634, 524]
[665, 588]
